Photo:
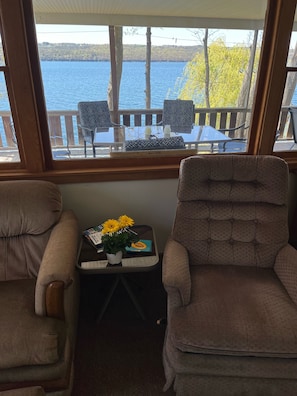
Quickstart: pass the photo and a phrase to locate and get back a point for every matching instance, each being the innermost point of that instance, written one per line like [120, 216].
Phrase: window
[286, 135]
[49, 137]
[153, 65]
[9, 152]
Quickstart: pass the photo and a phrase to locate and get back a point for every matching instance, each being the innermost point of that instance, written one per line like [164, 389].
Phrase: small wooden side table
[91, 262]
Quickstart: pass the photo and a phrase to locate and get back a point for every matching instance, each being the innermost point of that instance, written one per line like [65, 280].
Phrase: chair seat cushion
[242, 311]
[27, 339]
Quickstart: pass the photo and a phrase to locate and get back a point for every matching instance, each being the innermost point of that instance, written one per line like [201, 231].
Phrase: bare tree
[148, 68]
[245, 95]
[206, 59]
[116, 61]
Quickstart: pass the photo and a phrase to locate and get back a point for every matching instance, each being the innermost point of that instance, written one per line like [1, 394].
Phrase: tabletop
[114, 135]
[91, 262]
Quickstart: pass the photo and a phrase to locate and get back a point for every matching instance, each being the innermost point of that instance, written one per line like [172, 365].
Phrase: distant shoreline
[132, 53]
[107, 60]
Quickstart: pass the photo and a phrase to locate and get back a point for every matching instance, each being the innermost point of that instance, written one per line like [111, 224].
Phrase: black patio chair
[179, 114]
[94, 117]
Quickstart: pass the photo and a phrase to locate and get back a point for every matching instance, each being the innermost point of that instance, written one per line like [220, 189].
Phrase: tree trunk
[148, 68]
[116, 61]
[206, 59]
[246, 92]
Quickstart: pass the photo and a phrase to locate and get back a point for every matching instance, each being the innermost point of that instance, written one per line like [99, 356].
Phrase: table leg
[132, 296]
[121, 277]
[108, 298]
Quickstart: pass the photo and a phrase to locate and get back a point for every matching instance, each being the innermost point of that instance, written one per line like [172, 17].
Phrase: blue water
[67, 83]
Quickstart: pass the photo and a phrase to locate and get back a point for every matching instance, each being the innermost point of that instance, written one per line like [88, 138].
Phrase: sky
[160, 36]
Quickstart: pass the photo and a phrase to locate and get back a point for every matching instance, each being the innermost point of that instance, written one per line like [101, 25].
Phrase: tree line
[90, 52]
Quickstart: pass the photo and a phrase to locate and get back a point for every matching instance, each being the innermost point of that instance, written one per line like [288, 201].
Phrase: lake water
[67, 83]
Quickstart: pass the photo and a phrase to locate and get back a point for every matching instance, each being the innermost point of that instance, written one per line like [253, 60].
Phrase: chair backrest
[28, 212]
[94, 115]
[179, 114]
[232, 209]
[293, 113]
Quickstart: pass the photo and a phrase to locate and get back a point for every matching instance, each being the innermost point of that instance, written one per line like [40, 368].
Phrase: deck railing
[65, 130]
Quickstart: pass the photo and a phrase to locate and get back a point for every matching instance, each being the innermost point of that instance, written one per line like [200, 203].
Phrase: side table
[91, 262]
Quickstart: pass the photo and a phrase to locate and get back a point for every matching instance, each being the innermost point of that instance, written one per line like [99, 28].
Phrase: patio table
[115, 137]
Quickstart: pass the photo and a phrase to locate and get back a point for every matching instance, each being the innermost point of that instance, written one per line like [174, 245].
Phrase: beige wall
[148, 202]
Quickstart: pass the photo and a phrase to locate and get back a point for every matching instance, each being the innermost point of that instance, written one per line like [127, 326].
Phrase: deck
[67, 140]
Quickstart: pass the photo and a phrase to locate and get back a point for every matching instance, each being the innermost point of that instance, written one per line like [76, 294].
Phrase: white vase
[114, 258]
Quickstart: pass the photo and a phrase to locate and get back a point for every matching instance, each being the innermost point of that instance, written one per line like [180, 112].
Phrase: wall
[147, 202]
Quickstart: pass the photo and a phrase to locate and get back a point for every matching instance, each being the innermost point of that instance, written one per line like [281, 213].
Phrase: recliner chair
[231, 280]
[39, 289]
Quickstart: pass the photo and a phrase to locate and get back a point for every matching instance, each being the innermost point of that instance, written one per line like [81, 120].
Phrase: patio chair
[179, 114]
[235, 144]
[230, 276]
[94, 117]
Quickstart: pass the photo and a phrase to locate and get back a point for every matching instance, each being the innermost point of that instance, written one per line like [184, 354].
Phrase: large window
[215, 68]
[227, 73]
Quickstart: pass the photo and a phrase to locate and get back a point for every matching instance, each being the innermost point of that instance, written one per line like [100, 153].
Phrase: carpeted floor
[122, 354]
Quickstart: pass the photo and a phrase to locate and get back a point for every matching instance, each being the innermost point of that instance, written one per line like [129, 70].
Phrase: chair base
[188, 385]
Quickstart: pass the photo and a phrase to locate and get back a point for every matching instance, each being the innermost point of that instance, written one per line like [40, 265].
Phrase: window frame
[30, 116]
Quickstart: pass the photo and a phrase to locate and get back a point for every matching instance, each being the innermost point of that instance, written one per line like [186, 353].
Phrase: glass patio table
[115, 137]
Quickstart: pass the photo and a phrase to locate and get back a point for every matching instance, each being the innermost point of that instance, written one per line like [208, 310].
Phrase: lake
[67, 83]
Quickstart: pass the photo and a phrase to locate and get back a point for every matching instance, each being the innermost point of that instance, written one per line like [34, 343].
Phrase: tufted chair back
[232, 210]
[28, 212]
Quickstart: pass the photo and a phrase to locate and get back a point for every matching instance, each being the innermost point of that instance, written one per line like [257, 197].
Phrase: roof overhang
[231, 14]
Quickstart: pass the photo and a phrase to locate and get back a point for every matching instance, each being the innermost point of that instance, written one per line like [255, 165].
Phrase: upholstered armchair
[39, 287]
[231, 280]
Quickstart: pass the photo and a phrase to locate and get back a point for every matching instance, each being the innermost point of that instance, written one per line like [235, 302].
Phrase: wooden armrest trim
[54, 300]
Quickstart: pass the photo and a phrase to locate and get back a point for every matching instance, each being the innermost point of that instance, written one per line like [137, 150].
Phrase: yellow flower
[125, 221]
[110, 226]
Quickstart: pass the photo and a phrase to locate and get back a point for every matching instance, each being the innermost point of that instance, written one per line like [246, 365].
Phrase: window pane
[219, 79]
[286, 139]
[72, 71]
[8, 141]
[2, 61]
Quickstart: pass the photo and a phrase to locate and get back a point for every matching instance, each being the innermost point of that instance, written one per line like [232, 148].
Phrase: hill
[90, 52]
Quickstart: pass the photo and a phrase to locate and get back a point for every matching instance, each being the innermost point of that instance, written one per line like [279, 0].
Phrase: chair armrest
[176, 273]
[285, 268]
[58, 262]
[242, 126]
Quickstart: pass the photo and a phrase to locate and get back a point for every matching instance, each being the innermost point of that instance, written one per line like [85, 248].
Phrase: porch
[67, 139]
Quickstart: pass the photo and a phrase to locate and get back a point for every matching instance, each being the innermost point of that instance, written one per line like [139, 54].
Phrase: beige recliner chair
[38, 287]
[231, 280]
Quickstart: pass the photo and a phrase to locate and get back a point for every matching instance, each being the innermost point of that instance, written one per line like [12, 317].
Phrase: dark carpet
[122, 354]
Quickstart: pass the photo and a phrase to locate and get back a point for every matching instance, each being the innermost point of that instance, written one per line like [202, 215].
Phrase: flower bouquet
[117, 234]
